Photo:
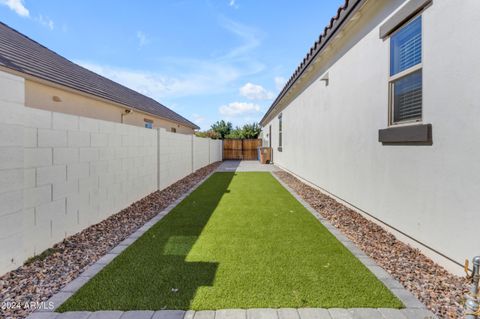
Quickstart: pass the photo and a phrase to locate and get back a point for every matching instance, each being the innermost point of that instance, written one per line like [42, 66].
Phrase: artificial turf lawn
[239, 241]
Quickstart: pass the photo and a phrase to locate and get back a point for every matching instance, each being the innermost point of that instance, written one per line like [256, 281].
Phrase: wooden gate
[237, 149]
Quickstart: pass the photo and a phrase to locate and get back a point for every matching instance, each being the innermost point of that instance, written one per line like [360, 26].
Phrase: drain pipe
[472, 309]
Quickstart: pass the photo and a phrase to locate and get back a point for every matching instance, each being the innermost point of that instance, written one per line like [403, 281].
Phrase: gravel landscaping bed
[439, 290]
[38, 280]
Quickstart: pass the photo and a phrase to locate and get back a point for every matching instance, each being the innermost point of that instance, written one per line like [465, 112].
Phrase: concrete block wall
[61, 173]
[11, 170]
[201, 152]
[175, 157]
[78, 171]
[216, 150]
[181, 155]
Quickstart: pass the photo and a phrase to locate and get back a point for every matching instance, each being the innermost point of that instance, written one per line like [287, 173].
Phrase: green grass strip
[240, 240]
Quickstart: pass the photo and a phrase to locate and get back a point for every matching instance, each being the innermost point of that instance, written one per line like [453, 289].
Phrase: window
[148, 123]
[406, 73]
[173, 130]
[280, 132]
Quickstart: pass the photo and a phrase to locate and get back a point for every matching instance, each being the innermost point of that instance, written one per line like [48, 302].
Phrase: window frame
[393, 78]
[280, 132]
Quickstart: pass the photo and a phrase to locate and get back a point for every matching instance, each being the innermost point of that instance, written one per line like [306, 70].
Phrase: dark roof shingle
[20, 53]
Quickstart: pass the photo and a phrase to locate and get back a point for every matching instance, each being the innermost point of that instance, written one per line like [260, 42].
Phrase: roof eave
[48, 82]
[336, 22]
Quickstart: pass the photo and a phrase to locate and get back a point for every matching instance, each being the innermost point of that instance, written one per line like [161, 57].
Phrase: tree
[248, 131]
[251, 130]
[235, 133]
[210, 134]
[221, 127]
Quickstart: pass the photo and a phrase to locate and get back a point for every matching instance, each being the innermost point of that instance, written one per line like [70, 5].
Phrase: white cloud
[198, 119]
[201, 78]
[239, 109]
[17, 6]
[249, 35]
[279, 82]
[233, 4]
[142, 38]
[191, 76]
[255, 92]
[45, 21]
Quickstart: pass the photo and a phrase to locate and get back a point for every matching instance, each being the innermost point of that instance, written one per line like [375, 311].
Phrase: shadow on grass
[153, 274]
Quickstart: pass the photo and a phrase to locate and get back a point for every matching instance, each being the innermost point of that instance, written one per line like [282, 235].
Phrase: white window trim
[280, 132]
[395, 77]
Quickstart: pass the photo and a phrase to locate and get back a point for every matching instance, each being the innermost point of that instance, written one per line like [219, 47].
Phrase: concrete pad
[128, 241]
[137, 314]
[366, 313]
[392, 313]
[57, 300]
[314, 313]
[288, 313]
[379, 272]
[43, 315]
[75, 284]
[169, 314]
[231, 314]
[246, 166]
[418, 314]
[106, 259]
[262, 313]
[340, 313]
[189, 314]
[407, 298]
[391, 283]
[106, 315]
[74, 315]
[204, 314]
[118, 249]
[92, 270]
[367, 261]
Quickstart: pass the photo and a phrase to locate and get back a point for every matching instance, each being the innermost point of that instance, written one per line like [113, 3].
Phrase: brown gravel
[39, 280]
[439, 290]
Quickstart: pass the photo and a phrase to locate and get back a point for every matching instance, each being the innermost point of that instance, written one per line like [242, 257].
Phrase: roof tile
[20, 53]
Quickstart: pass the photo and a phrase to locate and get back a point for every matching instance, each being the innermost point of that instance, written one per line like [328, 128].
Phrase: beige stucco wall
[38, 95]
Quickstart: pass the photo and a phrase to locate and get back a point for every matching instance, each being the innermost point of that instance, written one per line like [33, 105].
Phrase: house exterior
[382, 114]
[56, 84]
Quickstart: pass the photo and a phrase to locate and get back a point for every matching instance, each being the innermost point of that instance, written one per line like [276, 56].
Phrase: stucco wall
[330, 133]
[39, 95]
[60, 173]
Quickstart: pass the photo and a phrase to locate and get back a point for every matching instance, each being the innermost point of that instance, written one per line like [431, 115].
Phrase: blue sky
[205, 59]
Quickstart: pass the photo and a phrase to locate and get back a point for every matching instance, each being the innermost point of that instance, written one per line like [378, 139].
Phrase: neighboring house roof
[342, 14]
[20, 53]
